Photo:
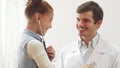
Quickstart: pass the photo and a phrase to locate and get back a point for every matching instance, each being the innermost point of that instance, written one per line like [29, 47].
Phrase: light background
[63, 31]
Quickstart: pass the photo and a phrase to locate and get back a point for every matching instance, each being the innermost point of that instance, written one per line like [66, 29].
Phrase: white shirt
[86, 50]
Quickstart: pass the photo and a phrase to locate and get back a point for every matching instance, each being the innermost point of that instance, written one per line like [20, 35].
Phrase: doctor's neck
[87, 39]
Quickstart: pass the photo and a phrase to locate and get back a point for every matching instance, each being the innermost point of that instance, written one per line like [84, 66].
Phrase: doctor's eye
[77, 19]
[86, 20]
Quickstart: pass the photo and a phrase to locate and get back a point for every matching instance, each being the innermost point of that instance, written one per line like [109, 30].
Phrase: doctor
[90, 50]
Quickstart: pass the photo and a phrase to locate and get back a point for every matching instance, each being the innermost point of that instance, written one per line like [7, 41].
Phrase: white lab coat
[104, 55]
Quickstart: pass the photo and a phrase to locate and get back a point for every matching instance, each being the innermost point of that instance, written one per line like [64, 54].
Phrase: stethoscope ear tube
[43, 41]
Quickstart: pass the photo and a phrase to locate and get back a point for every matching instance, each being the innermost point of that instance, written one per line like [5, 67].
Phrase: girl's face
[45, 23]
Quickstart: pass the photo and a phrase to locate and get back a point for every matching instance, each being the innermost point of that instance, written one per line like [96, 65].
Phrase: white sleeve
[59, 63]
[118, 59]
[37, 52]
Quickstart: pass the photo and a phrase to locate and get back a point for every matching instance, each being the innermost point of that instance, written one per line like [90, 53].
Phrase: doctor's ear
[99, 23]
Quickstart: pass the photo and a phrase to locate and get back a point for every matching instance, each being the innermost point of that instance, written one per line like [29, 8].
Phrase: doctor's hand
[87, 66]
[51, 52]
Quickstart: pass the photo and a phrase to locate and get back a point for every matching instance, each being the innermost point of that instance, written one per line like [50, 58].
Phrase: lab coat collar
[94, 42]
[100, 50]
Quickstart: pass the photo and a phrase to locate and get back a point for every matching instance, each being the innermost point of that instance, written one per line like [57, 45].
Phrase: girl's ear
[36, 16]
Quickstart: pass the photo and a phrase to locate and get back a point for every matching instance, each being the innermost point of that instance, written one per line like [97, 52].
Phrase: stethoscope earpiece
[39, 22]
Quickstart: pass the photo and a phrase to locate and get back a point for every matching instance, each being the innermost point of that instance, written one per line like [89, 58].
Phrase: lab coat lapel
[98, 52]
[73, 59]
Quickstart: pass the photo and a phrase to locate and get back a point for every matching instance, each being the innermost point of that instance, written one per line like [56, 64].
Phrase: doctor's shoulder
[115, 48]
[69, 48]
[114, 45]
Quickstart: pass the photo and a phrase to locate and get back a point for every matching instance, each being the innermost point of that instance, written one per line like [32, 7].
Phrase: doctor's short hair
[91, 6]
[34, 6]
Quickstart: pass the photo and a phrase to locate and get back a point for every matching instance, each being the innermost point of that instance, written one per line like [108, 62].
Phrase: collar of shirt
[92, 43]
[33, 34]
[41, 37]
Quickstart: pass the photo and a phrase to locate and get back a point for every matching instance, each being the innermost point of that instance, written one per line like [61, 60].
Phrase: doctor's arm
[60, 61]
[37, 52]
[118, 60]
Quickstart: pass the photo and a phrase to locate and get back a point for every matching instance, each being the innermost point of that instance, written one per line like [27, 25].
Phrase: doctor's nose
[79, 24]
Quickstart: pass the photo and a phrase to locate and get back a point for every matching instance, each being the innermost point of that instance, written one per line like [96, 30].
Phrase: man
[90, 51]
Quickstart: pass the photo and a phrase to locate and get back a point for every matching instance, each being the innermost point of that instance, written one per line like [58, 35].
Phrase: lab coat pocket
[103, 60]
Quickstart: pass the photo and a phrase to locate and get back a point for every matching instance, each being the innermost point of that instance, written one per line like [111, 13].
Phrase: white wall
[9, 33]
[0, 34]
[64, 23]
[63, 31]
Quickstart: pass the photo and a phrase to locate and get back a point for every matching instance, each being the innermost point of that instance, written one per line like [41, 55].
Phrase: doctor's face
[85, 24]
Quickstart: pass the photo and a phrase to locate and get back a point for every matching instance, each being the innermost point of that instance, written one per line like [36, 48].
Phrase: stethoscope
[43, 41]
